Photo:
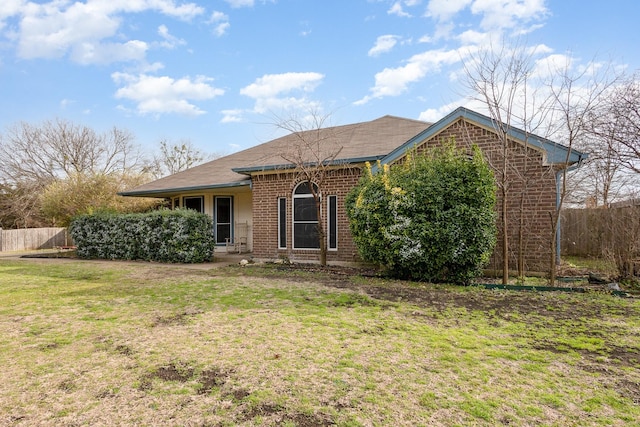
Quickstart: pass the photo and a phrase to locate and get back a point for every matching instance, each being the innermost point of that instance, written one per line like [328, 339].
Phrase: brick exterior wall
[530, 191]
[268, 188]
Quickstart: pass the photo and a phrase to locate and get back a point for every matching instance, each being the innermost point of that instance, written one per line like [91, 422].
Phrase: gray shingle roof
[356, 142]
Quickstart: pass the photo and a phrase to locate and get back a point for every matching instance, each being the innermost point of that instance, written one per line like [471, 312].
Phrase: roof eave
[167, 191]
[250, 170]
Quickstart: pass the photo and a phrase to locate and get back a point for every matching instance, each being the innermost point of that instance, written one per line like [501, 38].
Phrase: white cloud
[184, 11]
[164, 95]
[106, 53]
[432, 115]
[87, 31]
[273, 92]
[549, 65]
[473, 37]
[395, 81]
[240, 3]
[443, 10]
[220, 22]
[170, 41]
[496, 14]
[232, 116]
[10, 8]
[508, 13]
[272, 85]
[221, 29]
[396, 9]
[383, 44]
[284, 105]
[151, 68]
[66, 102]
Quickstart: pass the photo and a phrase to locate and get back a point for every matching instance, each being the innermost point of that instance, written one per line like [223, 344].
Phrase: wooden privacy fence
[33, 238]
[597, 232]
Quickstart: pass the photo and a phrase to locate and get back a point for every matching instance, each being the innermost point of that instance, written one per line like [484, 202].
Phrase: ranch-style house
[259, 203]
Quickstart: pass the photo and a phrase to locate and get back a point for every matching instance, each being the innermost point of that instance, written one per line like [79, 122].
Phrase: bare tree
[312, 155]
[57, 149]
[499, 79]
[613, 144]
[623, 126]
[19, 206]
[577, 96]
[35, 156]
[603, 179]
[177, 156]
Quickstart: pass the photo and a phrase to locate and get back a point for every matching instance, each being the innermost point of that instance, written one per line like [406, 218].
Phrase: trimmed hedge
[181, 236]
[431, 218]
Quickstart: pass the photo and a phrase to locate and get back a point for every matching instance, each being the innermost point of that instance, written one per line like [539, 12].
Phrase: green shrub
[430, 218]
[183, 236]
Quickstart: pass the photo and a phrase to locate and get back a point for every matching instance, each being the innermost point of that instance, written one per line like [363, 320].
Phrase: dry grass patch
[140, 344]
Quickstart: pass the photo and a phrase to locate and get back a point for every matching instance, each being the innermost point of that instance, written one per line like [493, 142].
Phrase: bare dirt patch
[280, 416]
[437, 296]
[213, 378]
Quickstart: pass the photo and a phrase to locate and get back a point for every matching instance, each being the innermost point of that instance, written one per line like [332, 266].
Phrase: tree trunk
[521, 239]
[505, 216]
[322, 241]
[505, 240]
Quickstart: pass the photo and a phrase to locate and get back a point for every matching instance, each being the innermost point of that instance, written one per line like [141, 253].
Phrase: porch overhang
[170, 192]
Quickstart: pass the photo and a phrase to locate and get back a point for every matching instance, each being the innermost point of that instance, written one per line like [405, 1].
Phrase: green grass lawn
[85, 343]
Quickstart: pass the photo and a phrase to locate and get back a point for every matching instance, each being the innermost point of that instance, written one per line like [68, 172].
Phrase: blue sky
[215, 72]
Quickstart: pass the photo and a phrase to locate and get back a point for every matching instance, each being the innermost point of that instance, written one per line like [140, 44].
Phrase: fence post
[1, 248]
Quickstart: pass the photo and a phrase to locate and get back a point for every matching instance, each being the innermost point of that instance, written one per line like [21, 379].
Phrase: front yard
[109, 343]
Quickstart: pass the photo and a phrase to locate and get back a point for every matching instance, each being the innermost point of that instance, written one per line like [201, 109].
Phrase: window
[282, 223]
[305, 218]
[332, 222]
[196, 203]
[176, 203]
[223, 219]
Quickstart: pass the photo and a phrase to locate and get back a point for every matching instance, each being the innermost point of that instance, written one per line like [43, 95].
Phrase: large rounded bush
[430, 218]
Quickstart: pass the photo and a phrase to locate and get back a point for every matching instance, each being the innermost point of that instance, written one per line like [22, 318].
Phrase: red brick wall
[530, 192]
[531, 195]
[268, 188]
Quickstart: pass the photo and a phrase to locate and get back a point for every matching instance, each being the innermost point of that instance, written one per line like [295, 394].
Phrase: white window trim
[280, 246]
[329, 248]
[295, 196]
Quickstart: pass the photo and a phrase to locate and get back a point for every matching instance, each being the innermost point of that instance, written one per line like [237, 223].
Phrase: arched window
[305, 217]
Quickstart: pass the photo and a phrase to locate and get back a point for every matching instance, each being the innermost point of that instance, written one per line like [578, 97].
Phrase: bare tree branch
[312, 156]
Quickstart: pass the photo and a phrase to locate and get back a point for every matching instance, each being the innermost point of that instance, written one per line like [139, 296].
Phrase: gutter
[151, 193]
[248, 170]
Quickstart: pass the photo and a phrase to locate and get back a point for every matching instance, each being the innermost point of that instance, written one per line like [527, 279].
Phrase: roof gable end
[554, 153]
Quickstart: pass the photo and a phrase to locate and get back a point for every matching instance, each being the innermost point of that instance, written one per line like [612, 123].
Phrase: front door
[223, 219]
